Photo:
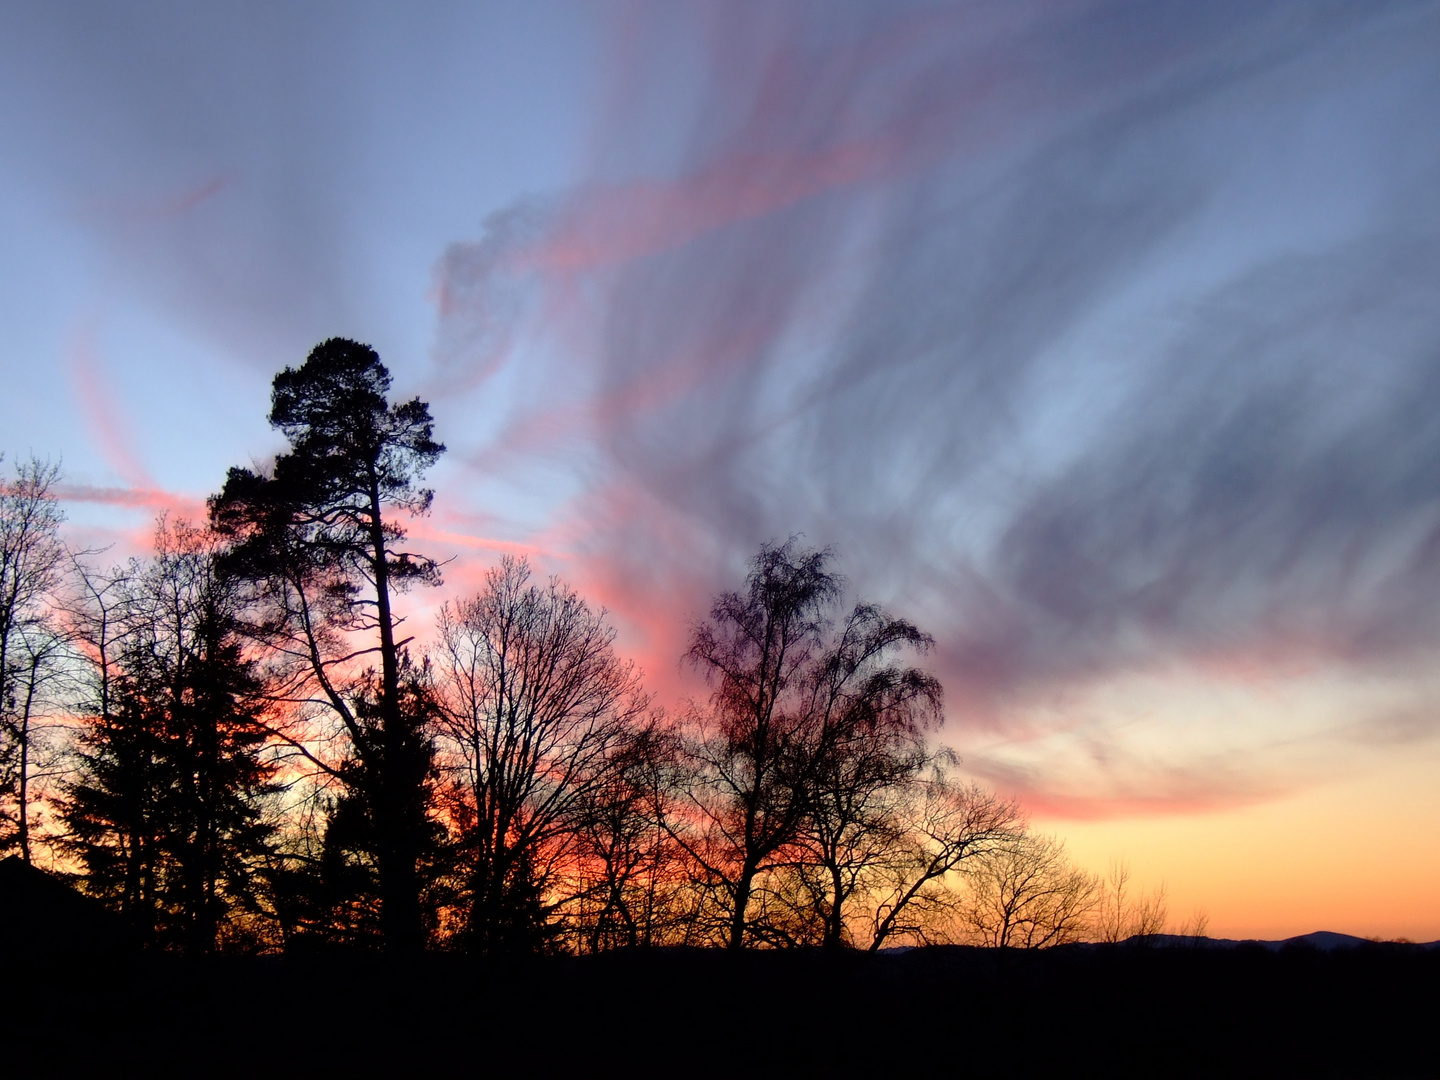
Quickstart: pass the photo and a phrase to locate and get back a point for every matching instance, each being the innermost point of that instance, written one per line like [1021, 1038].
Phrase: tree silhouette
[167, 814]
[942, 825]
[1120, 916]
[39, 657]
[334, 894]
[318, 537]
[875, 714]
[32, 557]
[536, 706]
[807, 727]
[1027, 894]
[631, 892]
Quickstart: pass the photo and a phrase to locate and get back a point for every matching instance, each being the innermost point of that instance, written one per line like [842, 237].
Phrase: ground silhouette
[1072, 1011]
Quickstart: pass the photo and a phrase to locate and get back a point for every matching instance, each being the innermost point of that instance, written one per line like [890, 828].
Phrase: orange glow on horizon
[1324, 858]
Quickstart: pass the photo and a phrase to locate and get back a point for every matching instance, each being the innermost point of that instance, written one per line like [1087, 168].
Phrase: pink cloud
[184, 506]
[1148, 794]
[145, 210]
[1052, 806]
[100, 404]
[139, 537]
[605, 226]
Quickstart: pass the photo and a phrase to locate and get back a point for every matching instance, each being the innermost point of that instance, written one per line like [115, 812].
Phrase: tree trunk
[743, 886]
[834, 922]
[400, 920]
[25, 770]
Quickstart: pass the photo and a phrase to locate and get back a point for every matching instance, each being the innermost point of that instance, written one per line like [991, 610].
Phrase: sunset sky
[1101, 339]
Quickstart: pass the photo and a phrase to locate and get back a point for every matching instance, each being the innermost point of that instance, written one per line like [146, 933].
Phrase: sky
[1100, 339]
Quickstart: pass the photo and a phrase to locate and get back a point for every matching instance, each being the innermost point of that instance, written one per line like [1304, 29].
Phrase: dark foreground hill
[1112, 1011]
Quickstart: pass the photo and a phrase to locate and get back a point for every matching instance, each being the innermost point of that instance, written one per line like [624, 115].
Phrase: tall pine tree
[318, 535]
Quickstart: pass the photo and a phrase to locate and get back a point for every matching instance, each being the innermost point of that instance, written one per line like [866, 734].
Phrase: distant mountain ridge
[1320, 940]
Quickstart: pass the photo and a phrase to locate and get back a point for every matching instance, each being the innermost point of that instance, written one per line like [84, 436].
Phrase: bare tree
[40, 661]
[629, 893]
[806, 728]
[32, 557]
[1119, 916]
[945, 825]
[1028, 894]
[538, 712]
[873, 753]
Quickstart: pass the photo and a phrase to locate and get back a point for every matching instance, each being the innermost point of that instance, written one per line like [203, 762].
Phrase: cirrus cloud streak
[1098, 337]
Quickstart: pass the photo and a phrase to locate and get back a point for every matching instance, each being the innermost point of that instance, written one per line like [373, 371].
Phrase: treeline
[236, 744]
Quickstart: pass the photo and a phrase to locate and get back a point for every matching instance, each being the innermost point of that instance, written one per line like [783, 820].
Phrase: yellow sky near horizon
[1357, 855]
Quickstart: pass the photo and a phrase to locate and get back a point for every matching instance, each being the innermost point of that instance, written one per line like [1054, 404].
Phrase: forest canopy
[237, 745]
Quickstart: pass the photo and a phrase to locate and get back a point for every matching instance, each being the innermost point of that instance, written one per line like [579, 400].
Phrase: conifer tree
[317, 535]
[167, 814]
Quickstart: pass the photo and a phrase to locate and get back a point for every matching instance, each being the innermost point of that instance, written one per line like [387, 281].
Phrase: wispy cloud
[1097, 336]
[103, 410]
